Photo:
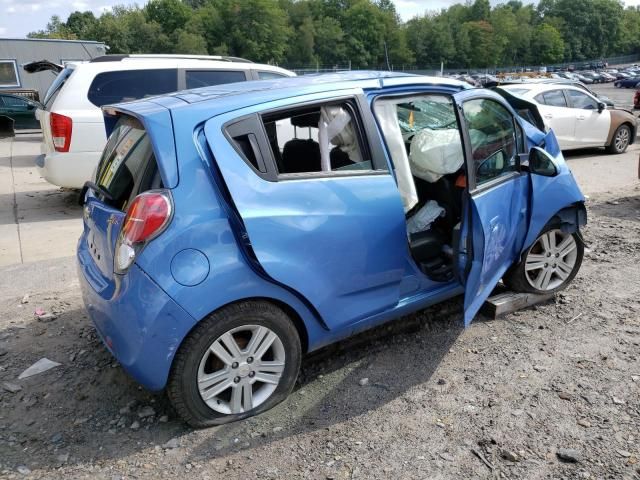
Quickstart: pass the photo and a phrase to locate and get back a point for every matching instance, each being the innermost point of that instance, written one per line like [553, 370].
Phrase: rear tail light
[61, 127]
[147, 217]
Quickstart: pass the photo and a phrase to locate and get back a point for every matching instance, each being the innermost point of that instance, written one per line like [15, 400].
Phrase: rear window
[206, 78]
[56, 86]
[127, 85]
[128, 165]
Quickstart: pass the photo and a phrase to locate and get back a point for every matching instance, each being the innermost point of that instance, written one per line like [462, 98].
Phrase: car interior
[315, 139]
[423, 136]
[424, 139]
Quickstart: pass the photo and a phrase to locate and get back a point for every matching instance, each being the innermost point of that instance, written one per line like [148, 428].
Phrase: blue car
[631, 82]
[232, 229]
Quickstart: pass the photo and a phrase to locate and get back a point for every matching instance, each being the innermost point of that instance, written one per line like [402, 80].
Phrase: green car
[20, 109]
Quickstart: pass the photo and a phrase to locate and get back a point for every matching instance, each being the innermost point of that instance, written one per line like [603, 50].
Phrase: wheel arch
[570, 218]
[296, 318]
[614, 128]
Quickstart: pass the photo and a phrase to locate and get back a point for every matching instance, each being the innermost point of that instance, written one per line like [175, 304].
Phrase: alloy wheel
[622, 139]
[551, 260]
[241, 369]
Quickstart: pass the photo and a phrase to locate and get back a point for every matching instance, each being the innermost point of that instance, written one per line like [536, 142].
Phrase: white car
[72, 123]
[579, 119]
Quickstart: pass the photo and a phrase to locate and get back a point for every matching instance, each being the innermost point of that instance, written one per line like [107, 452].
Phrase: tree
[82, 24]
[170, 14]
[547, 45]
[190, 43]
[254, 29]
[56, 28]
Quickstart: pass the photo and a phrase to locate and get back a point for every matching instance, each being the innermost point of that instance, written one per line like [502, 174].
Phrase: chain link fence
[436, 69]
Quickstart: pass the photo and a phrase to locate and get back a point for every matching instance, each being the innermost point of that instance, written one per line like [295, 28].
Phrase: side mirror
[601, 106]
[541, 163]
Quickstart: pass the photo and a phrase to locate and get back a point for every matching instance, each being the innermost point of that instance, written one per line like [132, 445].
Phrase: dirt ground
[500, 399]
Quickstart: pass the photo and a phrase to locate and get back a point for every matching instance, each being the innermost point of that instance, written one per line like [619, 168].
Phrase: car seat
[301, 155]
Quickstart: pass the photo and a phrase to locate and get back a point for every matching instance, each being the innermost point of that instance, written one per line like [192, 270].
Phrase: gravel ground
[548, 392]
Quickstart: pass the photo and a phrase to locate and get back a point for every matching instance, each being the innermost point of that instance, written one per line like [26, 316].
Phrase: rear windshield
[56, 86]
[126, 85]
[128, 165]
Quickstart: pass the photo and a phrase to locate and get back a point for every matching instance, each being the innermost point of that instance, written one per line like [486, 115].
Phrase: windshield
[55, 87]
[434, 113]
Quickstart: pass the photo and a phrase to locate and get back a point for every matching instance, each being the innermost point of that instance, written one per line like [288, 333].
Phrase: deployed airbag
[435, 153]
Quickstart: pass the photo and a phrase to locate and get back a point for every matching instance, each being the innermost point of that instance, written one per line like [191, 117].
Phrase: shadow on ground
[87, 407]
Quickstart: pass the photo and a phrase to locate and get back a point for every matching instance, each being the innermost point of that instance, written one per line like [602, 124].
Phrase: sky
[19, 17]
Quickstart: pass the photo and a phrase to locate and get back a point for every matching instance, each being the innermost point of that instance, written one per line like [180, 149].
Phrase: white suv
[72, 122]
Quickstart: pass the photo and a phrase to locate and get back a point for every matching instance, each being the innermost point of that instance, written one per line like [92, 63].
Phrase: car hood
[42, 66]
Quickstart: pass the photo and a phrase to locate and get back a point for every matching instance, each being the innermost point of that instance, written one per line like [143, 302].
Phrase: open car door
[496, 211]
[42, 66]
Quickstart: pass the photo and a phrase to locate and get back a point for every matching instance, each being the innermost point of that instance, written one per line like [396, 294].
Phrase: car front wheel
[549, 264]
[620, 140]
[238, 362]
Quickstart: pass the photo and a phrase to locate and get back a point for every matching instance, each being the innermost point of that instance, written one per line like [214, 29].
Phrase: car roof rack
[120, 57]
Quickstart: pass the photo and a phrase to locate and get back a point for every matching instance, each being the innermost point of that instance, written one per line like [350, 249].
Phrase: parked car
[20, 109]
[631, 82]
[230, 230]
[579, 119]
[584, 79]
[575, 83]
[595, 77]
[72, 125]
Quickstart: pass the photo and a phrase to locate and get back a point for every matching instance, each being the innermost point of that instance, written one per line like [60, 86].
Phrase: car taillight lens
[147, 217]
[61, 128]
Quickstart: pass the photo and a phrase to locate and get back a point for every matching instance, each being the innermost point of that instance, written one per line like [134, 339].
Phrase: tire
[620, 140]
[521, 279]
[239, 373]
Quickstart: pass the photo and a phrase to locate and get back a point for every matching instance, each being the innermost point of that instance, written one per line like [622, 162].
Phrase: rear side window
[206, 78]
[554, 98]
[127, 85]
[128, 165]
[317, 139]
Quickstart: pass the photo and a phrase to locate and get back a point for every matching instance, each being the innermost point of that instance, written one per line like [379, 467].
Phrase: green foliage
[364, 33]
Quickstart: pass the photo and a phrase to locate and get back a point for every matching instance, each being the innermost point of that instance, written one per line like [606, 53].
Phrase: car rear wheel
[238, 362]
[620, 140]
[549, 265]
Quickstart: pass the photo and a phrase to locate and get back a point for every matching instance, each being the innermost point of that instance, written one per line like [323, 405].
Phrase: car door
[323, 219]
[498, 195]
[592, 124]
[557, 116]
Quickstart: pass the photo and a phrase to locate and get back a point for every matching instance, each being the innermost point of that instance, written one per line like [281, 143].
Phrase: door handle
[581, 117]
[548, 115]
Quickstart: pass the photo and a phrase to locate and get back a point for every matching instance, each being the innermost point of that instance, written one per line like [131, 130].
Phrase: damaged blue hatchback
[230, 230]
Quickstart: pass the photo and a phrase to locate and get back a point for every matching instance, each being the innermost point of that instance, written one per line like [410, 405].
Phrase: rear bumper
[68, 169]
[137, 321]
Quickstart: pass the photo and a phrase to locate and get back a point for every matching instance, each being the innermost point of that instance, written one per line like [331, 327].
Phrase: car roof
[232, 96]
[535, 88]
[142, 62]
